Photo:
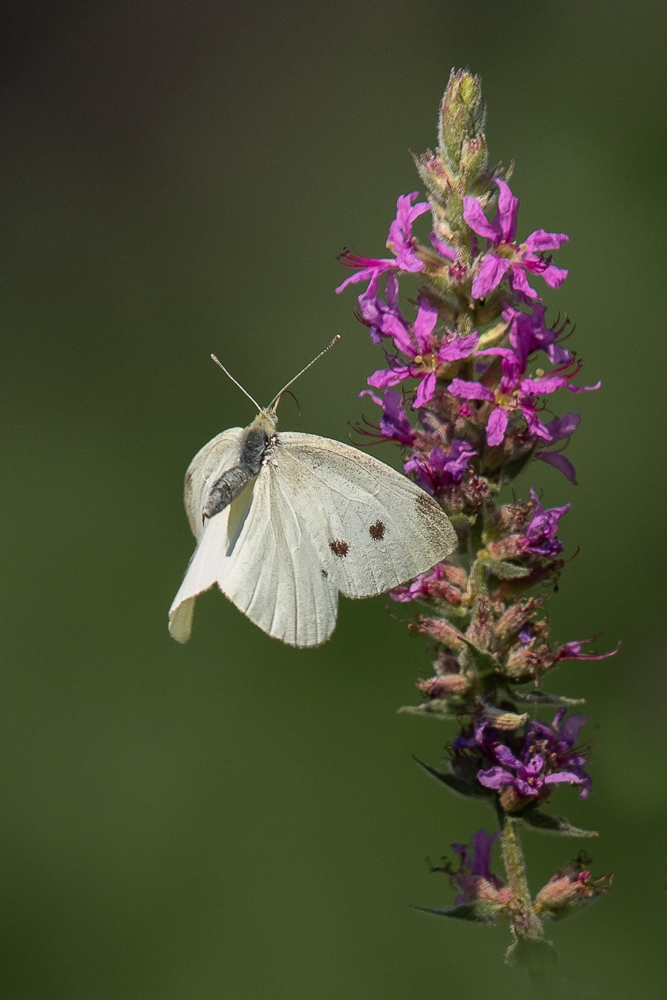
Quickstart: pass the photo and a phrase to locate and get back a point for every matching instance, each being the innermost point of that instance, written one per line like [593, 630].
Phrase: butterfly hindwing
[274, 574]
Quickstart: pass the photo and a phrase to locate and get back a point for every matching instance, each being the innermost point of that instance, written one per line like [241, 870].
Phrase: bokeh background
[234, 818]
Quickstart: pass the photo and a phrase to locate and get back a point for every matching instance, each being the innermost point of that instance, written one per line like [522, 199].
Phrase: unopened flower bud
[462, 117]
[506, 548]
[474, 160]
[441, 630]
[516, 618]
[500, 719]
[443, 687]
[570, 889]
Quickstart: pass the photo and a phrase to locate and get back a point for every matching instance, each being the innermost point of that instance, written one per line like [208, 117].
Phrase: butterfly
[285, 522]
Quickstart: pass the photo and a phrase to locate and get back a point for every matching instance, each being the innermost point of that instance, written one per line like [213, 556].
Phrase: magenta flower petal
[539, 241]
[400, 231]
[469, 390]
[496, 427]
[534, 765]
[495, 777]
[572, 651]
[563, 776]
[505, 756]
[383, 378]
[508, 208]
[478, 222]
[562, 427]
[490, 274]
[480, 863]
[425, 391]
[535, 425]
[539, 537]
[584, 388]
[571, 726]
[376, 399]
[560, 462]
[519, 283]
[391, 292]
[427, 317]
[543, 386]
[460, 347]
[444, 249]
[393, 326]
[554, 276]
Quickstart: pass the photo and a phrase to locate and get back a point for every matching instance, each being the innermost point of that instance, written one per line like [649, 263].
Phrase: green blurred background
[234, 818]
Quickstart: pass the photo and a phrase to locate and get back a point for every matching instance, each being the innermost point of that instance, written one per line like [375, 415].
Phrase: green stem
[527, 924]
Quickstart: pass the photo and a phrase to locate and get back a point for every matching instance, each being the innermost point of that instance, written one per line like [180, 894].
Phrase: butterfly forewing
[371, 527]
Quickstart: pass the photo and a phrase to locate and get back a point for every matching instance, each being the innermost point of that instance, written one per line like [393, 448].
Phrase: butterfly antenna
[276, 399]
[231, 377]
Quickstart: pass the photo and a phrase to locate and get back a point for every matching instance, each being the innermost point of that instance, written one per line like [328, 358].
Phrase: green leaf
[484, 662]
[504, 570]
[437, 708]
[456, 784]
[557, 825]
[543, 698]
[479, 913]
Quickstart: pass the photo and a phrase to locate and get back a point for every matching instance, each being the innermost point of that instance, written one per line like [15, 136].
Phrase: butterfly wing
[221, 453]
[372, 528]
[320, 517]
[273, 573]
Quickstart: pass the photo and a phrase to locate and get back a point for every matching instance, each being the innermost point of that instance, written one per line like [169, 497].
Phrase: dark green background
[234, 818]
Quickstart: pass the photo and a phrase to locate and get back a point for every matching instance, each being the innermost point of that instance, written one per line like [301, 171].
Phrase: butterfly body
[255, 446]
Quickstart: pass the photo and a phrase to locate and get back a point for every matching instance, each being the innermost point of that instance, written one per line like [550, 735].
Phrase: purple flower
[516, 394]
[506, 399]
[474, 881]
[421, 587]
[505, 257]
[539, 537]
[443, 467]
[394, 425]
[572, 651]
[478, 861]
[546, 758]
[419, 344]
[380, 316]
[561, 428]
[528, 333]
[526, 634]
[400, 241]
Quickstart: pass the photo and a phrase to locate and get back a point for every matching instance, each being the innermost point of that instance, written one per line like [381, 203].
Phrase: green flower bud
[461, 124]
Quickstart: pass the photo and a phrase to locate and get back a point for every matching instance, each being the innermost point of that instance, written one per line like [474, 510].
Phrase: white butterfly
[285, 521]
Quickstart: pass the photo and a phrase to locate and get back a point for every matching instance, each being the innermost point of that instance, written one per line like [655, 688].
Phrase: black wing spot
[339, 547]
[377, 530]
[325, 574]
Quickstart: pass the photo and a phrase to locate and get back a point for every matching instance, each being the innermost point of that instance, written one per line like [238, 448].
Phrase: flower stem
[527, 924]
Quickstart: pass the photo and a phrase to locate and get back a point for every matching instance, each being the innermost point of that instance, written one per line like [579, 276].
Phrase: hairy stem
[527, 924]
